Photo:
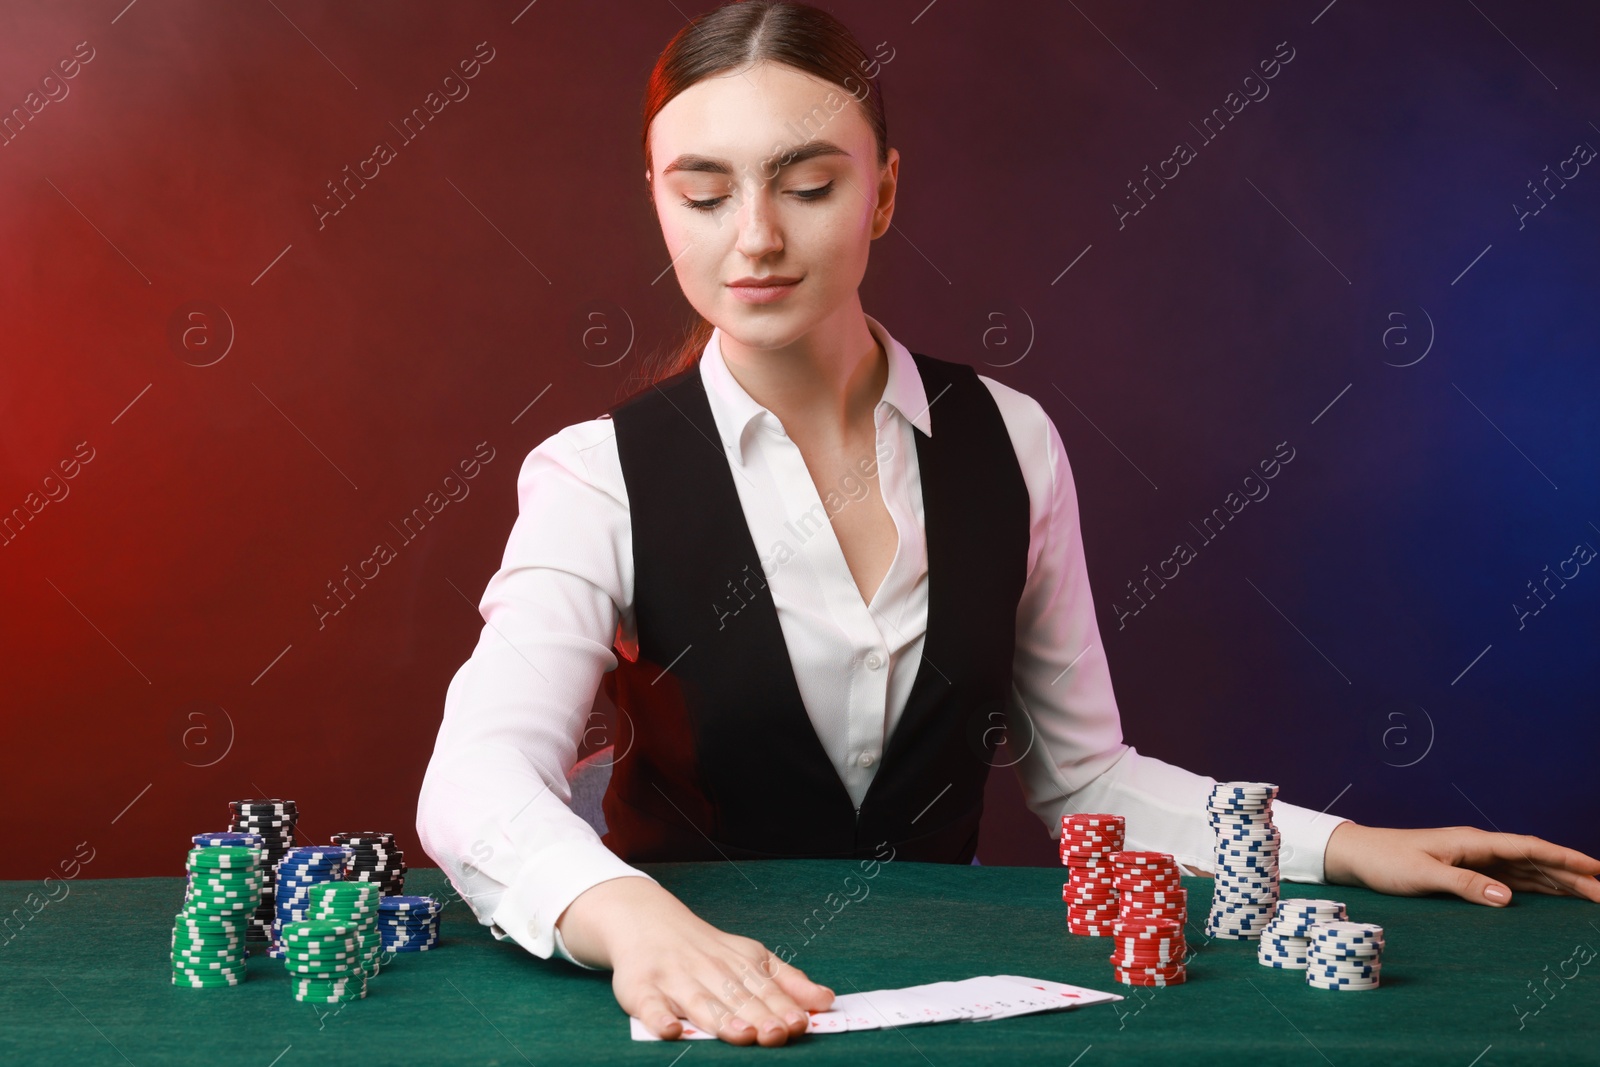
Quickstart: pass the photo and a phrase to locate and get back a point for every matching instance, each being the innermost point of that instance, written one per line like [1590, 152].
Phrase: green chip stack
[352, 904]
[208, 934]
[324, 961]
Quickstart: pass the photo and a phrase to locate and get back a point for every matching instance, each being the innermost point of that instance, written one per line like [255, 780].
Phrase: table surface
[87, 981]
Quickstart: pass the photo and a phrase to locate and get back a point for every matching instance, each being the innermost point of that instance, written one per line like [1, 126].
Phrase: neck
[821, 384]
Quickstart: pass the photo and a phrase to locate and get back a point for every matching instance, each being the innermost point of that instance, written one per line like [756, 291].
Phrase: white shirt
[494, 811]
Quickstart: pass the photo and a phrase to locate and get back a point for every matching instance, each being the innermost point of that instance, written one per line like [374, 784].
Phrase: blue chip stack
[298, 871]
[1286, 942]
[408, 924]
[1344, 955]
[1245, 892]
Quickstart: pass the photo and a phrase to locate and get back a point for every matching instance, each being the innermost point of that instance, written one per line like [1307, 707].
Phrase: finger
[1542, 878]
[1474, 886]
[1537, 853]
[791, 1018]
[812, 996]
[1535, 883]
[781, 995]
[707, 1011]
[658, 1017]
[1551, 855]
[745, 991]
[1554, 882]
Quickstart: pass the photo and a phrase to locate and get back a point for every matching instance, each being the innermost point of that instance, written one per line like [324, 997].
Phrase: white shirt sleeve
[1064, 714]
[494, 811]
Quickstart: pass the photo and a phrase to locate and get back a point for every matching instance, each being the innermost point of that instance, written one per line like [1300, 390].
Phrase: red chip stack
[1153, 908]
[1087, 844]
[1148, 952]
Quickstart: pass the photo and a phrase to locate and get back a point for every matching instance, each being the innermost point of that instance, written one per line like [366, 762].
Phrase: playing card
[1057, 995]
[978, 999]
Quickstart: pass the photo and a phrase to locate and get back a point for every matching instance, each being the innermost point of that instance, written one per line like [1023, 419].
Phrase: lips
[768, 282]
[768, 290]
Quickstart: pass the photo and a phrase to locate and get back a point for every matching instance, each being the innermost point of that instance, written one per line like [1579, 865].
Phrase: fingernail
[771, 1026]
[794, 1017]
[736, 1025]
[1496, 892]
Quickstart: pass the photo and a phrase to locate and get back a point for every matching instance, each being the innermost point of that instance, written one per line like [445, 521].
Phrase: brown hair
[742, 33]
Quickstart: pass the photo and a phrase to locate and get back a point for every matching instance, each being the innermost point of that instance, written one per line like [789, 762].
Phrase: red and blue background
[216, 395]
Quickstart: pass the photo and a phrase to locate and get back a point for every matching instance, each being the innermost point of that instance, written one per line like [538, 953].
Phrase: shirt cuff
[528, 911]
[1305, 841]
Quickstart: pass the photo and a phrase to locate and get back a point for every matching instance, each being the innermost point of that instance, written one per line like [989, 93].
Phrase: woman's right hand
[669, 963]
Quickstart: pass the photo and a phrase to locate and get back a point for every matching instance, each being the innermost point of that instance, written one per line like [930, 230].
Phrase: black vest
[717, 757]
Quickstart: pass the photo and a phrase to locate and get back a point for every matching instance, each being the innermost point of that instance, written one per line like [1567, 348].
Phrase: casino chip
[1344, 955]
[1153, 908]
[1150, 890]
[208, 935]
[1090, 892]
[323, 960]
[1149, 952]
[1286, 941]
[374, 858]
[298, 871]
[409, 924]
[1245, 891]
[273, 822]
[355, 905]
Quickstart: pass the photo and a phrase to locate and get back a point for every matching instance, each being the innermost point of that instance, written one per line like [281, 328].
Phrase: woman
[755, 534]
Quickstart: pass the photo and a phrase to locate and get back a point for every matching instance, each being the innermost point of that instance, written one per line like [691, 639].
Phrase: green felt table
[87, 981]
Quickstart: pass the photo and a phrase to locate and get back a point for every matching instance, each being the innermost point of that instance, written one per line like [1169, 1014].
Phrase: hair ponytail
[663, 363]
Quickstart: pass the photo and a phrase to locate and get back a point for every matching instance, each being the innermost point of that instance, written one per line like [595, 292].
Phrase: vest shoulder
[943, 368]
[655, 395]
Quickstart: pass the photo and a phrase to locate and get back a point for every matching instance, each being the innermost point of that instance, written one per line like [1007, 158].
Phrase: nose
[759, 233]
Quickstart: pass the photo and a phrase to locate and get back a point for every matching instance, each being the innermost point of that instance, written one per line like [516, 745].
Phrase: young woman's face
[768, 172]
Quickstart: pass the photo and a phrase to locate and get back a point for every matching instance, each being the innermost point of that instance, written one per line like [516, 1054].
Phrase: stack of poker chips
[234, 839]
[1149, 952]
[273, 822]
[1087, 842]
[352, 904]
[374, 858]
[1344, 955]
[1246, 888]
[298, 871]
[1286, 942]
[1149, 887]
[409, 924]
[324, 961]
[208, 934]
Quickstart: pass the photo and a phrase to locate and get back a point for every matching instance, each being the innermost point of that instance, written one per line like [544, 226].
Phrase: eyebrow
[709, 165]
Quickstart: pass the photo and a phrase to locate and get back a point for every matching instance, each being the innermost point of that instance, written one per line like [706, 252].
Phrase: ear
[888, 183]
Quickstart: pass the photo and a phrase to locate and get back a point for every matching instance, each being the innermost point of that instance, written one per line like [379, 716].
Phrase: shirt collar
[738, 415]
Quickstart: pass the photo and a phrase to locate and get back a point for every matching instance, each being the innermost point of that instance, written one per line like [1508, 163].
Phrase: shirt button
[874, 661]
[866, 759]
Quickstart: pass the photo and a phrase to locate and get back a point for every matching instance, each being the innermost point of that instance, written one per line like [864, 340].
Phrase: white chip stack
[1245, 891]
[1286, 942]
[1344, 955]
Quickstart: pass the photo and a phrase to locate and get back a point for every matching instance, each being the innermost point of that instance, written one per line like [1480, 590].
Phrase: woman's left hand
[1476, 865]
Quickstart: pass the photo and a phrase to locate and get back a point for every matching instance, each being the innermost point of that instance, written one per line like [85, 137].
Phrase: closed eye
[807, 195]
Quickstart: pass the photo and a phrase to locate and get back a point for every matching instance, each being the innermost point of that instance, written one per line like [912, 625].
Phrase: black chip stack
[374, 858]
[273, 821]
